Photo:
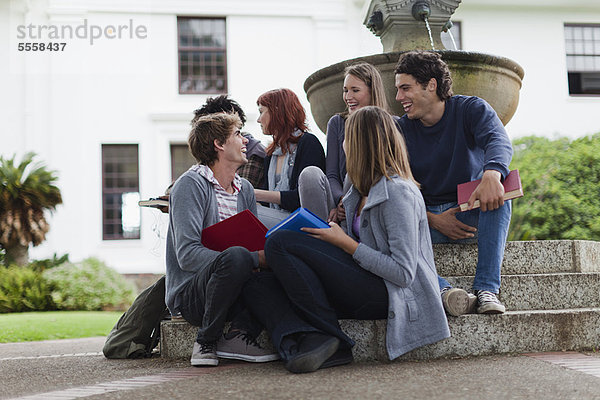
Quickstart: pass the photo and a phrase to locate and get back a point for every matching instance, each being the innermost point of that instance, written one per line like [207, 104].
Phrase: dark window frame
[111, 192]
[176, 164]
[576, 77]
[207, 49]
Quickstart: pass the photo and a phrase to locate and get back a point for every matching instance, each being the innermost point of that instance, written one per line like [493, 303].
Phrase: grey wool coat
[193, 207]
[395, 244]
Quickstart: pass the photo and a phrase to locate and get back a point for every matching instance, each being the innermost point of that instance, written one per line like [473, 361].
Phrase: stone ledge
[524, 257]
[472, 335]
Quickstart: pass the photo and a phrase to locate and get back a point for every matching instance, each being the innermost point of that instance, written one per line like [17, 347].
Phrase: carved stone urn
[405, 25]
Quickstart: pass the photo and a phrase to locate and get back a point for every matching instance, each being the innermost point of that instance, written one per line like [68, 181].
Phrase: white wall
[65, 105]
[533, 36]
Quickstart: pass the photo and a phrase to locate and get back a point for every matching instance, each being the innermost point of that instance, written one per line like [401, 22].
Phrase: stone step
[524, 257]
[472, 335]
[544, 291]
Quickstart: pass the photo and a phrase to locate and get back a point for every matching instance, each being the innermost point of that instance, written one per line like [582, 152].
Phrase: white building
[109, 113]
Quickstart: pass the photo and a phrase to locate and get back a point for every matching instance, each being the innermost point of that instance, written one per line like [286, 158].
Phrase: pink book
[512, 189]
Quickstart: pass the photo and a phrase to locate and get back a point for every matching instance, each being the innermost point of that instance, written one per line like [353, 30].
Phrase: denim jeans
[492, 230]
[323, 283]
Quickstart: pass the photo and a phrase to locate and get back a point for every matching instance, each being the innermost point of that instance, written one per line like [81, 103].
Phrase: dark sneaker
[238, 345]
[457, 301]
[340, 357]
[313, 350]
[489, 303]
[205, 355]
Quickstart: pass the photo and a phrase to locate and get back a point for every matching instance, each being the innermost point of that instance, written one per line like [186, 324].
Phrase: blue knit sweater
[468, 140]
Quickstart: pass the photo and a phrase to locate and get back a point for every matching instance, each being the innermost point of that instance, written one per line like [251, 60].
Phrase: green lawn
[30, 326]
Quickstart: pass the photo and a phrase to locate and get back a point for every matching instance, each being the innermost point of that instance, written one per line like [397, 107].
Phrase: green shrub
[47, 263]
[89, 286]
[24, 289]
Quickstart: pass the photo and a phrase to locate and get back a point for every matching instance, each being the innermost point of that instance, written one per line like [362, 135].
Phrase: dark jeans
[269, 304]
[323, 283]
[212, 297]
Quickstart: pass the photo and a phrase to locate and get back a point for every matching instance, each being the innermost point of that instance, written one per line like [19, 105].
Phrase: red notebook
[512, 189]
[243, 229]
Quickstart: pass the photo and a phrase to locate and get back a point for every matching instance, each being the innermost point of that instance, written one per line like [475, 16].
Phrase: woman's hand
[334, 235]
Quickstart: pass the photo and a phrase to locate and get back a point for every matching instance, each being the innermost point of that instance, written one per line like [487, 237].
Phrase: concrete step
[544, 291]
[472, 335]
[526, 257]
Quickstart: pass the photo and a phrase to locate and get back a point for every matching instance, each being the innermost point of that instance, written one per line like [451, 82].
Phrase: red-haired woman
[282, 116]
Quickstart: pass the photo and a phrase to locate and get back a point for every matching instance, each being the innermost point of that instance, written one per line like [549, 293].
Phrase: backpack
[137, 332]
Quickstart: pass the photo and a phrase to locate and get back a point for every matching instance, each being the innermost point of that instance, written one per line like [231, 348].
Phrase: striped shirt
[227, 202]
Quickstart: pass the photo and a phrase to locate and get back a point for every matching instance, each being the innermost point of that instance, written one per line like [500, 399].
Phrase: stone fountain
[405, 25]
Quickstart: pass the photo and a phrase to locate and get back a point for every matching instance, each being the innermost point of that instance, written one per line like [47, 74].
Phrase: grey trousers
[315, 194]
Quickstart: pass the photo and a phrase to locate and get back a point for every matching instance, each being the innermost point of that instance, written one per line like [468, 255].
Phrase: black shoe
[313, 350]
[340, 357]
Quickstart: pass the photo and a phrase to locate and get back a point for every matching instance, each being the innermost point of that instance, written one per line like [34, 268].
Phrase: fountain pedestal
[495, 79]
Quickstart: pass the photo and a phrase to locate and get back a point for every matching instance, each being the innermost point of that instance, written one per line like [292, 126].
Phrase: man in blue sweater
[452, 139]
[202, 284]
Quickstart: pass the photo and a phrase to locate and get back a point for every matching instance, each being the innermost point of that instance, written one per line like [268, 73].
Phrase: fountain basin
[495, 79]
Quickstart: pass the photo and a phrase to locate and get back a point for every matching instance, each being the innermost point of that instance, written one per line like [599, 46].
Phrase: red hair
[286, 115]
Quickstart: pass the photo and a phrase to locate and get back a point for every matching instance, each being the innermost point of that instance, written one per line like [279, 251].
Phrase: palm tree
[26, 191]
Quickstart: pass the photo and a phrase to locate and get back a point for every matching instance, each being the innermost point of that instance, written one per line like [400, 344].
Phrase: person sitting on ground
[363, 86]
[380, 267]
[253, 170]
[201, 284]
[293, 148]
[452, 139]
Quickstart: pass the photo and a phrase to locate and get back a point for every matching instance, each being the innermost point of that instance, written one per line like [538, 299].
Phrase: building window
[202, 55]
[452, 34]
[582, 43]
[181, 160]
[120, 192]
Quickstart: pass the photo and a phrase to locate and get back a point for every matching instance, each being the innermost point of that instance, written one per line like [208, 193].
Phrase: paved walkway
[74, 369]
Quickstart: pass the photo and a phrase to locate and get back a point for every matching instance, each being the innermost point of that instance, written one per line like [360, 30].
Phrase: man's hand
[164, 209]
[262, 260]
[447, 224]
[334, 235]
[490, 192]
[338, 214]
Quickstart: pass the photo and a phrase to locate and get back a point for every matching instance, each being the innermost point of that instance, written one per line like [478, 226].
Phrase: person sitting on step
[201, 284]
[452, 139]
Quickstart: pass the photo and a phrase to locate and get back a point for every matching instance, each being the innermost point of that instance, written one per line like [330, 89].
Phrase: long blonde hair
[374, 148]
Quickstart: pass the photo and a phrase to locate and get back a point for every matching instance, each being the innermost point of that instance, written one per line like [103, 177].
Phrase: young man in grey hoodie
[201, 284]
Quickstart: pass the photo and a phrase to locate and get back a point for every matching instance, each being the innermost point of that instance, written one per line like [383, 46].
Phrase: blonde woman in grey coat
[380, 267]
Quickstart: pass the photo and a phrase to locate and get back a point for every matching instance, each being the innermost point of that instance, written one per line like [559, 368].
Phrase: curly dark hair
[219, 104]
[424, 65]
[206, 130]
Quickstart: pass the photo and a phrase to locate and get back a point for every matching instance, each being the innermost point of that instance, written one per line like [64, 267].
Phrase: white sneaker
[205, 355]
[489, 303]
[457, 301]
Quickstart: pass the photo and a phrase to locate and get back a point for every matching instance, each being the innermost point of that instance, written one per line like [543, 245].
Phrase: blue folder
[301, 218]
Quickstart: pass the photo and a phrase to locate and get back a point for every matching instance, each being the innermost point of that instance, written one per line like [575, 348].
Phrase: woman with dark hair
[293, 148]
[380, 266]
